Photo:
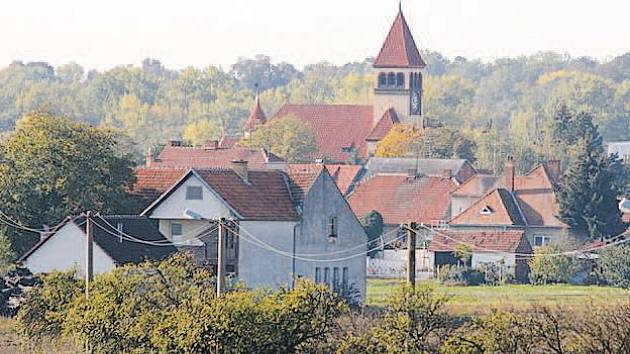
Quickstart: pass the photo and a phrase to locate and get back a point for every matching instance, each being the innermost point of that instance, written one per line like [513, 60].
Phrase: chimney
[174, 142]
[45, 233]
[508, 174]
[212, 144]
[148, 157]
[240, 167]
[554, 169]
[447, 173]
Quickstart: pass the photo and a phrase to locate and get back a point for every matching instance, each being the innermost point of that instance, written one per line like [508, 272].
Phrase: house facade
[63, 248]
[280, 225]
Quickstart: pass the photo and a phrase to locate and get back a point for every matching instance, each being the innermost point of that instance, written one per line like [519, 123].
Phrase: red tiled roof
[400, 198]
[228, 142]
[384, 125]
[399, 49]
[265, 196]
[152, 182]
[501, 209]
[338, 128]
[511, 241]
[343, 175]
[256, 117]
[301, 178]
[203, 157]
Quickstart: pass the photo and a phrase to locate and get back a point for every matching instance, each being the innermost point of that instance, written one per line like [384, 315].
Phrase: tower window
[418, 83]
[382, 80]
[400, 80]
[391, 79]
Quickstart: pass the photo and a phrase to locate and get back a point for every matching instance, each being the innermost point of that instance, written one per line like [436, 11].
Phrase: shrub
[546, 269]
[615, 265]
[454, 275]
[45, 306]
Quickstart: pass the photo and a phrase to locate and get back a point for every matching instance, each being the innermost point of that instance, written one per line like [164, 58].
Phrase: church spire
[257, 116]
[399, 49]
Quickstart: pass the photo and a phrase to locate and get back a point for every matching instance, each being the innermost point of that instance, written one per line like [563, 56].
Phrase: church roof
[399, 49]
[340, 130]
[384, 125]
[256, 117]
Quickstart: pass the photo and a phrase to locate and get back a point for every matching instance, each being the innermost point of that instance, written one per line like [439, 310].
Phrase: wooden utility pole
[221, 257]
[411, 254]
[89, 253]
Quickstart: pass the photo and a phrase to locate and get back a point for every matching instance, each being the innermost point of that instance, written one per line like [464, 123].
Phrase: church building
[349, 133]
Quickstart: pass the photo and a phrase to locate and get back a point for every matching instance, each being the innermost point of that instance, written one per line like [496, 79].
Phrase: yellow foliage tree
[399, 142]
[197, 133]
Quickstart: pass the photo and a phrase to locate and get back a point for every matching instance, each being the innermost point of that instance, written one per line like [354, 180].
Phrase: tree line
[503, 106]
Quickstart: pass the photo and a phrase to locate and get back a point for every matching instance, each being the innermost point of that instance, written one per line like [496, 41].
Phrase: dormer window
[347, 149]
[486, 210]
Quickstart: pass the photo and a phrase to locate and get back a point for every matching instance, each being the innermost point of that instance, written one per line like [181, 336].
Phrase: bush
[44, 310]
[454, 275]
[615, 265]
[546, 269]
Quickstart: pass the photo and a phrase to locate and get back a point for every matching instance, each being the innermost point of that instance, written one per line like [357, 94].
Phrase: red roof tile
[511, 241]
[400, 198]
[301, 178]
[498, 207]
[265, 196]
[152, 182]
[228, 142]
[399, 49]
[344, 175]
[203, 157]
[256, 117]
[384, 125]
[338, 128]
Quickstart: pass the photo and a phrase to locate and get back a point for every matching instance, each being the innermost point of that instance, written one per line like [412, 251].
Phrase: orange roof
[344, 175]
[384, 125]
[152, 182]
[399, 49]
[340, 129]
[256, 117]
[204, 157]
[400, 198]
[511, 241]
[496, 208]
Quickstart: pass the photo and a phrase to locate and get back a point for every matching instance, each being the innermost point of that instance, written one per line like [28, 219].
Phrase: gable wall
[65, 251]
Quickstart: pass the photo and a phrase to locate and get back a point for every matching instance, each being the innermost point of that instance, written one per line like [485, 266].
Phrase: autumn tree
[52, 167]
[287, 137]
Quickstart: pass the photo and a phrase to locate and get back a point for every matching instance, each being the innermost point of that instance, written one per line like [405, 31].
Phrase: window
[327, 276]
[194, 193]
[176, 229]
[400, 79]
[391, 79]
[541, 240]
[335, 279]
[318, 275]
[382, 80]
[230, 240]
[486, 210]
[344, 279]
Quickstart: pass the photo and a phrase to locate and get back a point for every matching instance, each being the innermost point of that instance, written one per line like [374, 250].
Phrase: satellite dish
[191, 214]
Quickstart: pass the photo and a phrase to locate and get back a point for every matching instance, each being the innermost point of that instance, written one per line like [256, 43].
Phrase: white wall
[259, 267]
[173, 207]
[479, 258]
[65, 251]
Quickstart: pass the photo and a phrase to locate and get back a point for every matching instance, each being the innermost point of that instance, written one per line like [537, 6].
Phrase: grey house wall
[322, 202]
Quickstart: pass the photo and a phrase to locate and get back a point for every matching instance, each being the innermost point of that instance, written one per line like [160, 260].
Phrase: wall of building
[478, 258]
[65, 251]
[399, 100]
[323, 202]
[259, 266]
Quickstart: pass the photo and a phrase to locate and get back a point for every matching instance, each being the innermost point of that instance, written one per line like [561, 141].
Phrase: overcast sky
[102, 34]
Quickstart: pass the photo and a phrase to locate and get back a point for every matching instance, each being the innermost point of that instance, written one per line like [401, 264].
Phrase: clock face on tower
[415, 103]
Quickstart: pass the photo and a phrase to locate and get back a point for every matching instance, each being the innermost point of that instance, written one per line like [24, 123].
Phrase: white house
[63, 248]
[281, 225]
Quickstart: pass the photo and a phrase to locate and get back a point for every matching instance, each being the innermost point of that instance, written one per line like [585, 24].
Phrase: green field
[481, 299]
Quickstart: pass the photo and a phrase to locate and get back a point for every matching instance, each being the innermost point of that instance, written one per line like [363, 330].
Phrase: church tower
[256, 117]
[398, 75]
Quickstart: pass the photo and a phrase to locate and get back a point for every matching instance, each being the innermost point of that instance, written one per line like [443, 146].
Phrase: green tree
[372, 223]
[198, 133]
[53, 167]
[615, 265]
[287, 137]
[547, 267]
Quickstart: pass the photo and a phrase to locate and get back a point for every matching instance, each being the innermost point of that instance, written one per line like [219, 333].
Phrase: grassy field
[480, 299]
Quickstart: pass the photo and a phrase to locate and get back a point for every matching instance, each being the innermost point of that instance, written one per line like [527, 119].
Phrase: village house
[526, 203]
[349, 133]
[282, 225]
[63, 247]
